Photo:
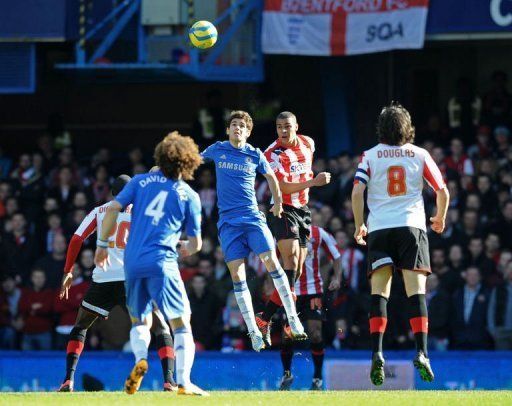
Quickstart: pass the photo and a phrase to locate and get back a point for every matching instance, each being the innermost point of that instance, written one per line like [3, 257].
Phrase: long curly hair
[177, 156]
[394, 126]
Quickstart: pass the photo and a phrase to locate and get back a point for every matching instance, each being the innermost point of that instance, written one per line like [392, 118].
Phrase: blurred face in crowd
[453, 215]
[475, 247]
[66, 156]
[8, 285]
[59, 245]
[456, 255]
[65, 176]
[484, 184]
[456, 147]
[507, 211]
[104, 155]
[5, 191]
[101, 173]
[432, 282]
[317, 219]
[135, 155]
[505, 258]
[11, 206]
[287, 130]
[50, 204]
[345, 163]
[80, 200]
[205, 268]
[18, 223]
[24, 162]
[335, 224]
[473, 202]
[326, 213]
[342, 239]
[470, 220]
[38, 279]
[492, 242]
[54, 221]
[87, 259]
[78, 216]
[473, 277]
[198, 285]
[333, 166]
[38, 162]
[206, 179]
[487, 167]
[483, 135]
[438, 155]
[438, 258]
[453, 188]
[501, 136]
[319, 165]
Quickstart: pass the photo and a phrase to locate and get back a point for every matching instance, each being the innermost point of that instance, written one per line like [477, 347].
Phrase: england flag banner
[342, 27]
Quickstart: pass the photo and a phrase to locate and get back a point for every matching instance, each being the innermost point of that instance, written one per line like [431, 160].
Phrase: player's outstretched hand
[334, 285]
[277, 210]
[323, 178]
[360, 233]
[67, 280]
[437, 224]
[101, 258]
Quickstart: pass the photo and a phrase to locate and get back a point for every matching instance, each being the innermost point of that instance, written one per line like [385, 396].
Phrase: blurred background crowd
[46, 191]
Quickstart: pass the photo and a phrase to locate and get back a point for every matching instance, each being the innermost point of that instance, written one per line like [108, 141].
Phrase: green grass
[366, 398]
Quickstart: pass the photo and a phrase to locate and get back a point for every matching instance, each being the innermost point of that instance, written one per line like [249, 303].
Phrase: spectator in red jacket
[458, 160]
[9, 299]
[35, 309]
[68, 309]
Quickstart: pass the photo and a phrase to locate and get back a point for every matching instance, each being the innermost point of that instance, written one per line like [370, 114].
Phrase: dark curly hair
[394, 126]
[177, 156]
[241, 115]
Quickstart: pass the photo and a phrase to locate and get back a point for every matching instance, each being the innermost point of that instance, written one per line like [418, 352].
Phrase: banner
[342, 27]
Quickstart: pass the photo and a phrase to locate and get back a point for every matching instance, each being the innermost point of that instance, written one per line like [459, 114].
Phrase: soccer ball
[203, 34]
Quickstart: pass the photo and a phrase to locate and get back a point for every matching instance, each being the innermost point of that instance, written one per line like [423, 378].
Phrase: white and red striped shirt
[395, 176]
[117, 242]
[351, 263]
[293, 164]
[310, 281]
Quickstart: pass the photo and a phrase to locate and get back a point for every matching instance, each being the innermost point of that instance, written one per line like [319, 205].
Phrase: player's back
[161, 206]
[394, 176]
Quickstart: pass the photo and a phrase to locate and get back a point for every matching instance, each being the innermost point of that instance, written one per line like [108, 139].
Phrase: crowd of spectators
[47, 192]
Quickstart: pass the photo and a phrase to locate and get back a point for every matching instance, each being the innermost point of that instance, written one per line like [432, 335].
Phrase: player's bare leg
[185, 349]
[415, 287]
[165, 348]
[140, 337]
[381, 289]
[290, 251]
[84, 321]
[244, 300]
[282, 285]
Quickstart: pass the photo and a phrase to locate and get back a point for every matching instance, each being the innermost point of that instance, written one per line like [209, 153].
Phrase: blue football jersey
[162, 208]
[236, 170]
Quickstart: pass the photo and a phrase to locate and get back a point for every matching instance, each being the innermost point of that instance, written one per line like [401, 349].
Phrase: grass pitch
[365, 398]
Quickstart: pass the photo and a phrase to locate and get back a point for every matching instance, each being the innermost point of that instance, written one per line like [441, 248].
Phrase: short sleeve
[432, 174]
[263, 164]
[127, 195]
[210, 152]
[329, 245]
[274, 161]
[88, 225]
[363, 170]
[193, 216]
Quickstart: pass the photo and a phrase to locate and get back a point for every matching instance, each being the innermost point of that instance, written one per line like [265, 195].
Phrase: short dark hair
[286, 115]
[394, 126]
[119, 183]
[241, 115]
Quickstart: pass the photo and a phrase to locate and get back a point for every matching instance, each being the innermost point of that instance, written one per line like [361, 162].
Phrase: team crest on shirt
[248, 160]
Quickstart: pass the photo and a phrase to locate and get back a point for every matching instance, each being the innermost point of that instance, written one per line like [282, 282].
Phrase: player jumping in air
[163, 204]
[309, 290]
[394, 171]
[242, 227]
[291, 158]
[107, 291]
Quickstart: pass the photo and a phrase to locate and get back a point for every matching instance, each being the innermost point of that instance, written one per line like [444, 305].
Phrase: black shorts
[310, 307]
[101, 298]
[293, 224]
[401, 247]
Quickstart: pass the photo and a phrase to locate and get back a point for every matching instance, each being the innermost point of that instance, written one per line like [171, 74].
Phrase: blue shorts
[238, 240]
[167, 292]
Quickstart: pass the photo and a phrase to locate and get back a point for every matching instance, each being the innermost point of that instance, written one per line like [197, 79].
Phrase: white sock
[140, 337]
[184, 350]
[244, 300]
[283, 288]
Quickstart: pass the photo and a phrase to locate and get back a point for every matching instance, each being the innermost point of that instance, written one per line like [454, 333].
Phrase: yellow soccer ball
[203, 34]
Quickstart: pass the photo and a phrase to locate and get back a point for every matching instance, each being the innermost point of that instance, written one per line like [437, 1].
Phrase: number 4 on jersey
[155, 208]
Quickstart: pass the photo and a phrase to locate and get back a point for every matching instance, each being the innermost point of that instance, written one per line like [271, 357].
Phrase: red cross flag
[342, 27]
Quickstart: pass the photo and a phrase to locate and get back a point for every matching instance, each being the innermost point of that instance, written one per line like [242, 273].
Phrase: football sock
[317, 352]
[419, 321]
[378, 321]
[73, 351]
[140, 337]
[283, 288]
[287, 355]
[184, 348]
[244, 300]
[165, 349]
